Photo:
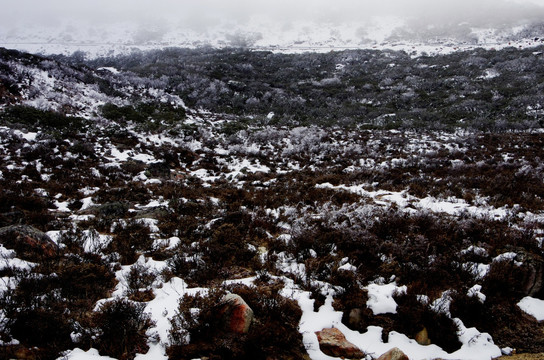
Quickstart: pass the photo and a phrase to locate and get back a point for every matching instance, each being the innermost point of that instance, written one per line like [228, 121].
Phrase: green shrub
[35, 118]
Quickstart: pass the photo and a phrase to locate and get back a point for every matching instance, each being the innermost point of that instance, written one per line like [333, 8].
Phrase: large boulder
[28, 242]
[333, 343]
[394, 354]
[236, 314]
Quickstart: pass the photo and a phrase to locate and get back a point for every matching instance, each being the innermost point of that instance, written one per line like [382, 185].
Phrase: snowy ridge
[377, 33]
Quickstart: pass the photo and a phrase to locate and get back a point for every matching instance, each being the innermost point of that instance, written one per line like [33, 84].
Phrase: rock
[236, 314]
[333, 343]
[534, 279]
[28, 242]
[355, 318]
[394, 354]
[422, 337]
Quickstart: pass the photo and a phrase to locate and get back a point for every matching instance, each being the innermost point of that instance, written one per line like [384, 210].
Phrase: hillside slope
[128, 210]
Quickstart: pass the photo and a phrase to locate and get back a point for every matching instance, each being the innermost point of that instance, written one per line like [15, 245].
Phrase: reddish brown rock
[28, 242]
[394, 354]
[333, 343]
[236, 314]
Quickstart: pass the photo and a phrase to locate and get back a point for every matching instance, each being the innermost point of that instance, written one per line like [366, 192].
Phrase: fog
[243, 22]
[203, 13]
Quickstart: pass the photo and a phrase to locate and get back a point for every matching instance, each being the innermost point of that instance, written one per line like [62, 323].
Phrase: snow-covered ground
[266, 161]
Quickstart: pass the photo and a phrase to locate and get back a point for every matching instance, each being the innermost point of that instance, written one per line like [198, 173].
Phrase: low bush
[274, 331]
[140, 282]
[35, 118]
[130, 240]
[120, 329]
[46, 328]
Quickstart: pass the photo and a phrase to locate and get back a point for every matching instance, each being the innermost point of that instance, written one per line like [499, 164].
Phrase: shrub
[274, 331]
[86, 281]
[121, 328]
[35, 118]
[412, 316]
[47, 328]
[130, 239]
[227, 247]
[503, 320]
[140, 281]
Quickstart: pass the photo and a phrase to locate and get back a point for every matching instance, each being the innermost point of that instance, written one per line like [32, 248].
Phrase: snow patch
[380, 298]
[533, 307]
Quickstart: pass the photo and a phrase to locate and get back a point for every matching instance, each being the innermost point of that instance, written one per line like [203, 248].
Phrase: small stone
[333, 343]
[422, 337]
[394, 354]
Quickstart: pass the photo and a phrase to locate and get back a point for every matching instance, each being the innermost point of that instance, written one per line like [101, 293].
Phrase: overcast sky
[202, 13]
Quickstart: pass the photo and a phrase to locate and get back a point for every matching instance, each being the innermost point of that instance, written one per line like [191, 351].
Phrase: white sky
[201, 13]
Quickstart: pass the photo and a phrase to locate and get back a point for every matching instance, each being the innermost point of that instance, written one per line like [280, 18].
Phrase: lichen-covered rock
[394, 354]
[28, 242]
[333, 343]
[236, 314]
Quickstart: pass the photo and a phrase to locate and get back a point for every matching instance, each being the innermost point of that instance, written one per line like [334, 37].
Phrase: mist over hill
[102, 28]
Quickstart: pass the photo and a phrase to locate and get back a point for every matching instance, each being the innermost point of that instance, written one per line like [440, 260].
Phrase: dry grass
[538, 356]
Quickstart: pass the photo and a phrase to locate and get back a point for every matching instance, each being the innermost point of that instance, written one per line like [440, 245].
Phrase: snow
[475, 345]
[9, 261]
[533, 307]
[62, 206]
[87, 203]
[508, 256]
[165, 304]
[480, 270]
[347, 267]
[93, 242]
[442, 304]
[380, 298]
[110, 69]
[155, 203]
[238, 167]
[475, 291]
[150, 223]
[78, 354]
[29, 136]
[402, 199]
[122, 156]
